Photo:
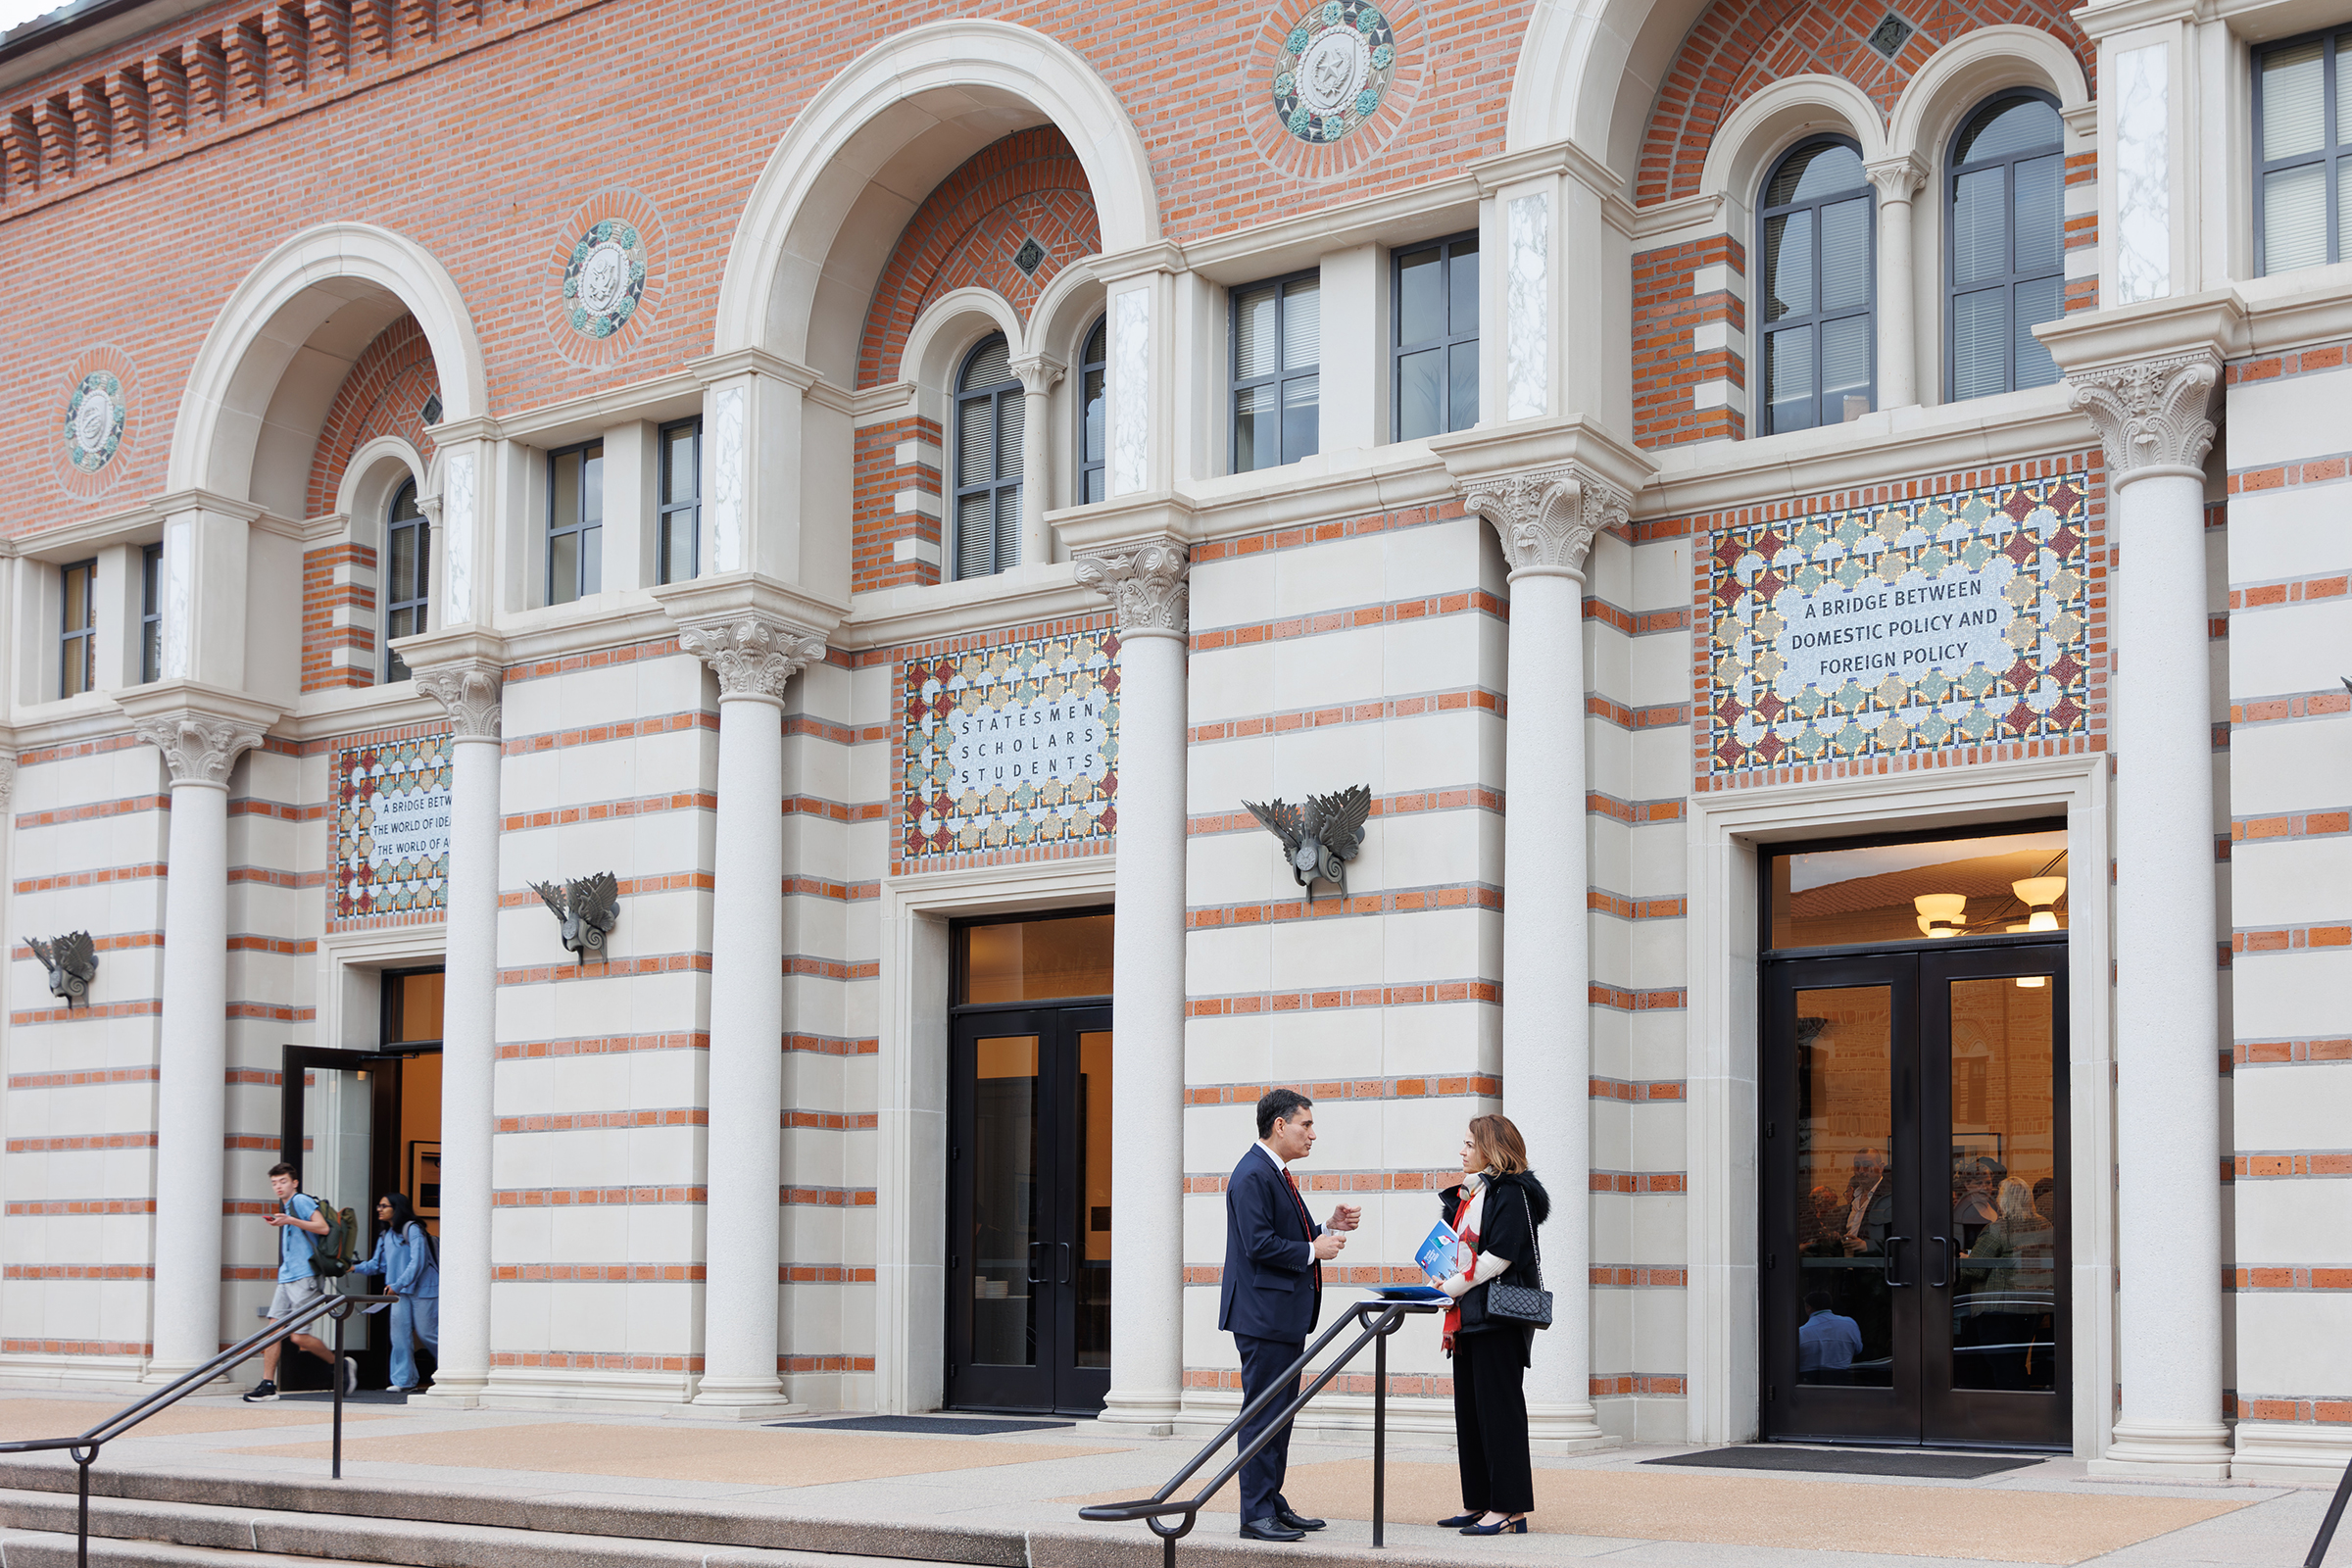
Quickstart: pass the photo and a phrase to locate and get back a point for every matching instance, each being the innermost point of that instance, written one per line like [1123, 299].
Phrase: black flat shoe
[1502, 1527]
[1459, 1520]
[1270, 1529]
[1293, 1521]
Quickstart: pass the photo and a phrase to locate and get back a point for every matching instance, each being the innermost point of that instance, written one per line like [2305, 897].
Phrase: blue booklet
[1436, 1256]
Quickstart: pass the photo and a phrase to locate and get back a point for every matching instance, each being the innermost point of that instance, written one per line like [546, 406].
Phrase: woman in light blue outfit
[404, 1257]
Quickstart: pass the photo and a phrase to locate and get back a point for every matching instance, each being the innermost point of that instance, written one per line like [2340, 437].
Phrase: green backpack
[331, 1255]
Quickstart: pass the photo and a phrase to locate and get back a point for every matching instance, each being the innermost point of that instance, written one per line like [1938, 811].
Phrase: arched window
[1093, 408]
[988, 462]
[408, 573]
[1820, 255]
[2005, 267]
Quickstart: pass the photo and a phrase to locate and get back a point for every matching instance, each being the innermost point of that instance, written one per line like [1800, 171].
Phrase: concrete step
[193, 1518]
[32, 1548]
[243, 1532]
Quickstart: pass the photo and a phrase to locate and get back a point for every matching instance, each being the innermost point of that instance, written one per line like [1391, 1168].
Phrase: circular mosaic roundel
[94, 416]
[605, 277]
[1334, 69]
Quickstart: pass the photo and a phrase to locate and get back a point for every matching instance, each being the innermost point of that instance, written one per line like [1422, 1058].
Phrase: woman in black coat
[1494, 1211]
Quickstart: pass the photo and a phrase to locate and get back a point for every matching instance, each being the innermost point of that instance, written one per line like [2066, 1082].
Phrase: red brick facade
[385, 394]
[967, 231]
[1667, 310]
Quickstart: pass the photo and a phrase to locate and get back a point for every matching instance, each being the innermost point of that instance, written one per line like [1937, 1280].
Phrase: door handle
[1946, 1243]
[1065, 1262]
[1031, 1272]
[1893, 1241]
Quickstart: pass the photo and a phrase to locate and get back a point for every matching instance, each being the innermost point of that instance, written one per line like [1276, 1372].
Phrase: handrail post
[1380, 1434]
[336, 1373]
[2335, 1515]
[82, 1549]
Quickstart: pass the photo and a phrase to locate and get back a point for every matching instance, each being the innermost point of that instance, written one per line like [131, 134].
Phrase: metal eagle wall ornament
[1320, 837]
[71, 961]
[587, 905]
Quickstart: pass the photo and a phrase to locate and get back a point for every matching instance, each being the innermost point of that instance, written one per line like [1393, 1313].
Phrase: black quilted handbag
[1520, 1304]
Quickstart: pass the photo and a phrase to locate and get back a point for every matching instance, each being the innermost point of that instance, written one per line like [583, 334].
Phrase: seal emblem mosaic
[1334, 67]
[605, 277]
[94, 416]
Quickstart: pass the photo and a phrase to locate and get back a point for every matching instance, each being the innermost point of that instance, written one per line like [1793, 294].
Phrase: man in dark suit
[1273, 1293]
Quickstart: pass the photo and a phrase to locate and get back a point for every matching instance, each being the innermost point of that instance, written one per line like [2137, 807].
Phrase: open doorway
[359, 1124]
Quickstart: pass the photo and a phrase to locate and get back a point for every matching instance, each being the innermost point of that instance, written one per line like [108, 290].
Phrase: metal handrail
[1378, 1320]
[338, 1307]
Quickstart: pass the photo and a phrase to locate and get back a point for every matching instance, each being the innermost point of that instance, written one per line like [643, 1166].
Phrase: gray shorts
[293, 1295]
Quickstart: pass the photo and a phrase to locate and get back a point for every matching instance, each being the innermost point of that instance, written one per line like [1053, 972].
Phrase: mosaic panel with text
[391, 828]
[1900, 627]
[1013, 745]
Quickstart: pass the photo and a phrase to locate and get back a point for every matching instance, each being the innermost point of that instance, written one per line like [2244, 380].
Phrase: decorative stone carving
[1898, 179]
[71, 961]
[1148, 586]
[471, 691]
[7, 780]
[2150, 414]
[1546, 517]
[198, 748]
[753, 656]
[1038, 374]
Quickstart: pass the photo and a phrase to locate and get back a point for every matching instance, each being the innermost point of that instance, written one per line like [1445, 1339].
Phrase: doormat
[1853, 1461]
[936, 1426]
[327, 1396]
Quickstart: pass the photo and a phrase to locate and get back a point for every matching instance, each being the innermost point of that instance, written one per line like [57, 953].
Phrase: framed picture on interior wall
[425, 1178]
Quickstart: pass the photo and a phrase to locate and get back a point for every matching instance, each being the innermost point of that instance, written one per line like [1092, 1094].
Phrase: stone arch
[1971, 68]
[257, 393]
[846, 179]
[968, 235]
[1739, 47]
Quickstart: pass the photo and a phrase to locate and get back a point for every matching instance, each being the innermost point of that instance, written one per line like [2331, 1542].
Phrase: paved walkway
[1612, 1504]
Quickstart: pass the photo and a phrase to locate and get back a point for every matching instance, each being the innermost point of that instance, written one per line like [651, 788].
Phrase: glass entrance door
[1029, 1239]
[338, 1112]
[1915, 1203]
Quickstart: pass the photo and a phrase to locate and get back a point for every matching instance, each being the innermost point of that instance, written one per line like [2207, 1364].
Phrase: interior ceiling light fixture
[1939, 913]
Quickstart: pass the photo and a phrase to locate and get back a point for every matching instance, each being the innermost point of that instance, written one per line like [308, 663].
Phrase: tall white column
[2151, 418]
[755, 656]
[1546, 521]
[1898, 179]
[1149, 585]
[191, 1097]
[470, 690]
[1038, 375]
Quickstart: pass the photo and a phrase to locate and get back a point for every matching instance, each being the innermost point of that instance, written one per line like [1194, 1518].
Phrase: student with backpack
[308, 1252]
[404, 1257]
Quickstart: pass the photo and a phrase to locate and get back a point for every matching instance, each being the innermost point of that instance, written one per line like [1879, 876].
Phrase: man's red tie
[1307, 1220]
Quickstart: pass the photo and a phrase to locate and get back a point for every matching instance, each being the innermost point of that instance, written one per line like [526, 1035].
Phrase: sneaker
[264, 1390]
[351, 1377]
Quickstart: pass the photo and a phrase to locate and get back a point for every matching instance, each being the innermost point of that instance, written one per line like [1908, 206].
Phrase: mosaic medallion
[604, 288]
[605, 279]
[1335, 65]
[1013, 747]
[94, 416]
[1946, 620]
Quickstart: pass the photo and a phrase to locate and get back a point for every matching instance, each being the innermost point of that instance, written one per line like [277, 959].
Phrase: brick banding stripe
[1401, 1385]
[82, 1077]
[600, 1046]
[609, 811]
[77, 1348]
[826, 1196]
[1622, 1384]
[1639, 1181]
[1351, 618]
[2255, 941]
[102, 876]
[1414, 1088]
[94, 811]
[1277, 540]
[2252, 1277]
[2282, 1053]
[1341, 1182]
[600, 734]
[2323, 824]
[1403, 901]
[572, 1121]
[607, 969]
[1420, 704]
[2322, 1408]
[2282, 1164]
[1629, 1277]
[2315, 361]
[78, 1271]
[2287, 592]
[823, 1274]
[2288, 707]
[1624, 907]
[1639, 1090]
[2329, 469]
[1461, 797]
[599, 1273]
[596, 1196]
[1435, 993]
[834, 1121]
[77, 1208]
[1619, 999]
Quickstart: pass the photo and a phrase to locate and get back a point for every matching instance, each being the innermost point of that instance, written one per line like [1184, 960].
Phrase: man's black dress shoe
[1293, 1521]
[1270, 1529]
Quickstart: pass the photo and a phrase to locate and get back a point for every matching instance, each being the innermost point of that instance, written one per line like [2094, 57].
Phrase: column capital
[1898, 179]
[199, 747]
[1039, 372]
[200, 729]
[2150, 414]
[754, 655]
[1546, 517]
[1148, 584]
[472, 690]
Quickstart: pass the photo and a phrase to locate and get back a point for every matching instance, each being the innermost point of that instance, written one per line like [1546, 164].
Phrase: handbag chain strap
[1534, 1240]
